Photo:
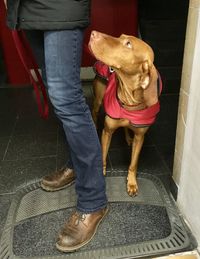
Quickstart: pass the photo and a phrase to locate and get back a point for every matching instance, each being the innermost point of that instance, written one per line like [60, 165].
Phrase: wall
[111, 17]
[187, 151]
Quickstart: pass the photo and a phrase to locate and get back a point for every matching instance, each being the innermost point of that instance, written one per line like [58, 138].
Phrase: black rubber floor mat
[146, 225]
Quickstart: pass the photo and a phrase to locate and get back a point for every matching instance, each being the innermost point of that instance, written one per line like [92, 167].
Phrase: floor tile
[5, 201]
[16, 173]
[167, 152]
[149, 160]
[3, 146]
[26, 102]
[163, 134]
[35, 126]
[120, 158]
[30, 146]
[7, 124]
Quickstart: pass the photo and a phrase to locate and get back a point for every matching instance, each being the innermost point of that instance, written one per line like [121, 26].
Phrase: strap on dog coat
[28, 60]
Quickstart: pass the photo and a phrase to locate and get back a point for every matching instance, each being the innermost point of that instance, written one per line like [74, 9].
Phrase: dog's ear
[145, 74]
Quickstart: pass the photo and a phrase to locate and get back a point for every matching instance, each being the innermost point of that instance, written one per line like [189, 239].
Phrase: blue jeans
[62, 56]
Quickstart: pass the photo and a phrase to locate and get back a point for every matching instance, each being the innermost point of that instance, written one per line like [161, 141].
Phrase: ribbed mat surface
[145, 225]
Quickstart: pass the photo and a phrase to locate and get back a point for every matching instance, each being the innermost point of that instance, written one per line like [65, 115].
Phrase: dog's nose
[95, 35]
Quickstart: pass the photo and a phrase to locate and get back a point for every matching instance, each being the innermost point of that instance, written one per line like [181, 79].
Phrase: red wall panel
[112, 17]
[16, 73]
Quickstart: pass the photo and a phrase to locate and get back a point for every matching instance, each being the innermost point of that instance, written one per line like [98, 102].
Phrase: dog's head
[127, 54]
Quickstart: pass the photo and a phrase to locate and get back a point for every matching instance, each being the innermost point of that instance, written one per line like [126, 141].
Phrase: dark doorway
[162, 24]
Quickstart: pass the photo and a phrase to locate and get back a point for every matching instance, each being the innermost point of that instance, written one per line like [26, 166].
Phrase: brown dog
[130, 94]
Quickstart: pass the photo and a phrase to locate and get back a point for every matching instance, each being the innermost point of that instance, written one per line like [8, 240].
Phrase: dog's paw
[132, 187]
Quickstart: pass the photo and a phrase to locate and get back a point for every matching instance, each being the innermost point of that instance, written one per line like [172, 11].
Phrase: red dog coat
[113, 108]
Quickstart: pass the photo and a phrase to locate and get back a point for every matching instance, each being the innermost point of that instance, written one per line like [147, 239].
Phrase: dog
[129, 85]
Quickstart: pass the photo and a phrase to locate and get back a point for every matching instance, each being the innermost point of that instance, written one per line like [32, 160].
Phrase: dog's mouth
[98, 49]
[94, 48]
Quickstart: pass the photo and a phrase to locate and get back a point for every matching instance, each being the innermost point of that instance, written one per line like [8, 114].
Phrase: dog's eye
[128, 44]
[111, 69]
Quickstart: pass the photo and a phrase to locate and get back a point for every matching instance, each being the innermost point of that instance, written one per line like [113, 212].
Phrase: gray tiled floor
[31, 147]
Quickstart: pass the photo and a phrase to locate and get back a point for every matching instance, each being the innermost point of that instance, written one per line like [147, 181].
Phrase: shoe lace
[75, 219]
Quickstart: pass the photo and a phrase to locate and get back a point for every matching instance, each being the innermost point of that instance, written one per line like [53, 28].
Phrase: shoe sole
[65, 249]
[49, 189]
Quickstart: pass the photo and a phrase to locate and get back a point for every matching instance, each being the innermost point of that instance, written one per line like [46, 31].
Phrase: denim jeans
[62, 55]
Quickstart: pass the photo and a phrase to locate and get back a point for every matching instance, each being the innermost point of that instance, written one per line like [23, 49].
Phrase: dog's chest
[112, 105]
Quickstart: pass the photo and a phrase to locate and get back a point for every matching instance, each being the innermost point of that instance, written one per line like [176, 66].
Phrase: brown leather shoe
[58, 180]
[79, 230]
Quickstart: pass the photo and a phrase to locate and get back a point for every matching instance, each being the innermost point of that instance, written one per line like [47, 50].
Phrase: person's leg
[65, 176]
[62, 61]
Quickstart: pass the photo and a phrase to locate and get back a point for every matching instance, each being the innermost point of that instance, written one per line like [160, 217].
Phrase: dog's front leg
[106, 139]
[105, 144]
[132, 186]
[110, 125]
